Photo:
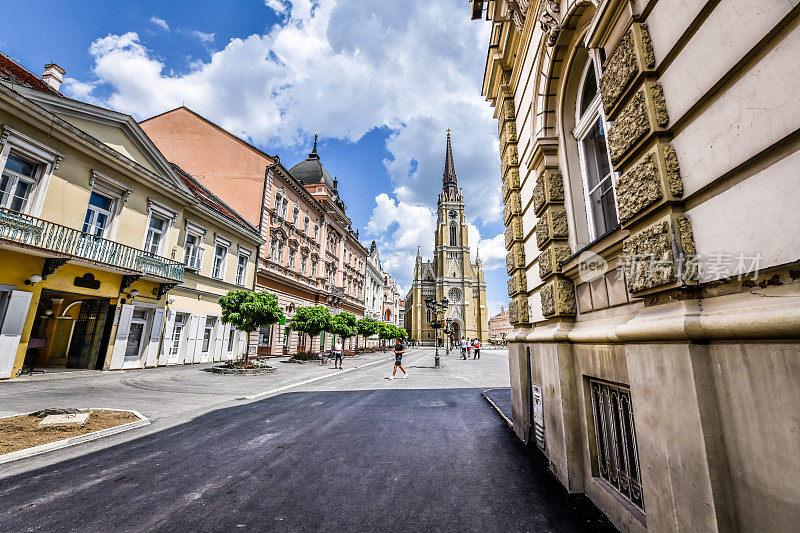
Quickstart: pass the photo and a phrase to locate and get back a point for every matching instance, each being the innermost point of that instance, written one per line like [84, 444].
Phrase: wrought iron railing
[38, 233]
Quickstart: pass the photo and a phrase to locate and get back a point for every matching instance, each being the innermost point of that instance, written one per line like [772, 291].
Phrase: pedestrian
[398, 359]
[337, 354]
[477, 347]
[464, 344]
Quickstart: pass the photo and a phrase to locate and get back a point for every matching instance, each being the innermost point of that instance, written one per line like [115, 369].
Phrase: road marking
[311, 380]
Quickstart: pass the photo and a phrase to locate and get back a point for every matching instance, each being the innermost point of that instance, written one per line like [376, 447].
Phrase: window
[316, 232]
[453, 234]
[305, 226]
[295, 216]
[303, 259]
[284, 205]
[292, 252]
[278, 199]
[241, 269]
[98, 215]
[265, 336]
[615, 439]
[313, 272]
[279, 257]
[598, 177]
[231, 339]
[273, 248]
[155, 234]
[177, 333]
[208, 333]
[193, 247]
[218, 266]
[19, 178]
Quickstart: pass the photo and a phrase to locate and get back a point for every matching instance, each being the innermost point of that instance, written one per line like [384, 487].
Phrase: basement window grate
[615, 436]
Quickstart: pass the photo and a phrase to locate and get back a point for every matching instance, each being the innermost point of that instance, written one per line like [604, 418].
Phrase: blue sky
[381, 81]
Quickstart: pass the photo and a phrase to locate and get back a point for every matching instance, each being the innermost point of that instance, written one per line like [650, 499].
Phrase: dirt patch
[20, 432]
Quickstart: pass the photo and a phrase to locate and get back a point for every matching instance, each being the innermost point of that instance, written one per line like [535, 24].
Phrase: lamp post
[448, 330]
[434, 307]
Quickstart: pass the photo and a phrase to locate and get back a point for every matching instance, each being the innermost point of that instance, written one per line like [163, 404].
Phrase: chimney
[53, 75]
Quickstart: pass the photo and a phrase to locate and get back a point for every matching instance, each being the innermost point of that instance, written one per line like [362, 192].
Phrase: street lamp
[448, 330]
[434, 307]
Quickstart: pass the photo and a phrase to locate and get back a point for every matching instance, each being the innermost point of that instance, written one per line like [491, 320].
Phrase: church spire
[449, 182]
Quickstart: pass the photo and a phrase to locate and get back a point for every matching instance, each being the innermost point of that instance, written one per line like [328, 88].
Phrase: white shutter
[218, 335]
[244, 341]
[165, 358]
[191, 339]
[226, 335]
[155, 336]
[11, 330]
[121, 341]
[198, 346]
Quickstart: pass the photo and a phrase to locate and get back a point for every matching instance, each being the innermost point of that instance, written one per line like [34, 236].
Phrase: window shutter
[155, 336]
[121, 341]
[198, 346]
[218, 336]
[226, 335]
[11, 330]
[165, 357]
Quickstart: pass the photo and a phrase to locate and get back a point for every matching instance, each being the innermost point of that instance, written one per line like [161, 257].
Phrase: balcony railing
[35, 232]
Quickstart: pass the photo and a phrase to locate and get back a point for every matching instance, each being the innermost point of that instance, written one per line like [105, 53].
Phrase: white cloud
[344, 67]
[161, 23]
[204, 37]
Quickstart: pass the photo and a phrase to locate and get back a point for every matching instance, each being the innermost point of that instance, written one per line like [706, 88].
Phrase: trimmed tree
[367, 327]
[344, 325]
[311, 320]
[248, 311]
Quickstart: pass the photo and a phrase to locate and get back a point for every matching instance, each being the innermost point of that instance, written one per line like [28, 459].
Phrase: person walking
[398, 359]
[464, 345]
[337, 354]
[477, 347]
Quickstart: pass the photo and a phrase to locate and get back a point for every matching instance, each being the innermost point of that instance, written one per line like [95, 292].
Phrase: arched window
[590, 132]
[453, 234]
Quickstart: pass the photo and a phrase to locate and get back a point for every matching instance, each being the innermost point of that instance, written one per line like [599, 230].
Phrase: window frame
[583, 125]
[199, 233]
[220, 242]
[163, 212]
[241, 267]
[119, 194]
[46, 158]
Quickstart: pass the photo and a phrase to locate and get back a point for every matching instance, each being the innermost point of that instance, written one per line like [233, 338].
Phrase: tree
[311, 320]
[344, 325]
[367, 327]
[248, 311]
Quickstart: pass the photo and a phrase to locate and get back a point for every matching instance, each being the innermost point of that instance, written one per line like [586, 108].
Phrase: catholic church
[451, 274]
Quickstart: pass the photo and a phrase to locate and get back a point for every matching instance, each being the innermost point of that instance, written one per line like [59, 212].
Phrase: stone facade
[700, 354]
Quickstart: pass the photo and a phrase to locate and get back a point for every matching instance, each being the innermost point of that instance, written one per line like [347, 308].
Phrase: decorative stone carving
[513, 207]
[517, 283]
[549, 189]
[632, 124]
[549, 21]
[510, 154]
[513, 313]
[510, 262]
[513, 231]
[552, 225]
[638, 188]
[558, 298]
[511, 182]
[633, 54]
[508, 132]
[551, 258]
[673, 172]
[659, 104]
[621, 69]
[649, 258]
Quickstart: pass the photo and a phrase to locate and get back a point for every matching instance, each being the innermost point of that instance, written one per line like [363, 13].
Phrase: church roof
[311, 171]
[449, 180]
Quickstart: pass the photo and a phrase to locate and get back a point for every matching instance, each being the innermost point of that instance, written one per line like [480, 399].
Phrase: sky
[381, 81]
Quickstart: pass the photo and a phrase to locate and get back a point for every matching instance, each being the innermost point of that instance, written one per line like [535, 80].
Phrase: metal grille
[615, 434]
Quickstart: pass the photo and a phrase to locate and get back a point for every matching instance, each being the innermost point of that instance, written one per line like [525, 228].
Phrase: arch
[453, 234]
[388, 315]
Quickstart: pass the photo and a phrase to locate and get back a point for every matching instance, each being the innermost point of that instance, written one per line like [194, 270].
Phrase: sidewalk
[500, 399]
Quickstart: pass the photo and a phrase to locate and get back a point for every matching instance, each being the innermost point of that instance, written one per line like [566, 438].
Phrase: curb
[505, 418]
[79, 439]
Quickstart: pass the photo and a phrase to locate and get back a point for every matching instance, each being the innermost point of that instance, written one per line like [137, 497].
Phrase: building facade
[93, 239]
[499, 325]
[312, 256]
[451, 274]
[649, 157]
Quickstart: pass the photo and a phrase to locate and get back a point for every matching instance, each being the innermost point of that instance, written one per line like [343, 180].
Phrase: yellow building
[451, 274]
[96, 228]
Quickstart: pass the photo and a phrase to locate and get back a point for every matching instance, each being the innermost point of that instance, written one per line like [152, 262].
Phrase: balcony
[73, 244]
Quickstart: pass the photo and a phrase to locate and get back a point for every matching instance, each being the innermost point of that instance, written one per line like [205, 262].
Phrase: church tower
[451, 274]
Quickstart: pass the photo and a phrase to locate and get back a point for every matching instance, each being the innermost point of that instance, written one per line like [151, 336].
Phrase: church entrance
[455, 331]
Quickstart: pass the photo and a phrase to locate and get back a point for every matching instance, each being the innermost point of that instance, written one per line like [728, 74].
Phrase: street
[349, 452]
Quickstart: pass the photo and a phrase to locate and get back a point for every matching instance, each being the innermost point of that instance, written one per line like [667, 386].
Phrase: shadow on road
[411, 459]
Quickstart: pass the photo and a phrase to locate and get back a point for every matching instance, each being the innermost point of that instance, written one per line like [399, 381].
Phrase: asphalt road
[351, 453]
